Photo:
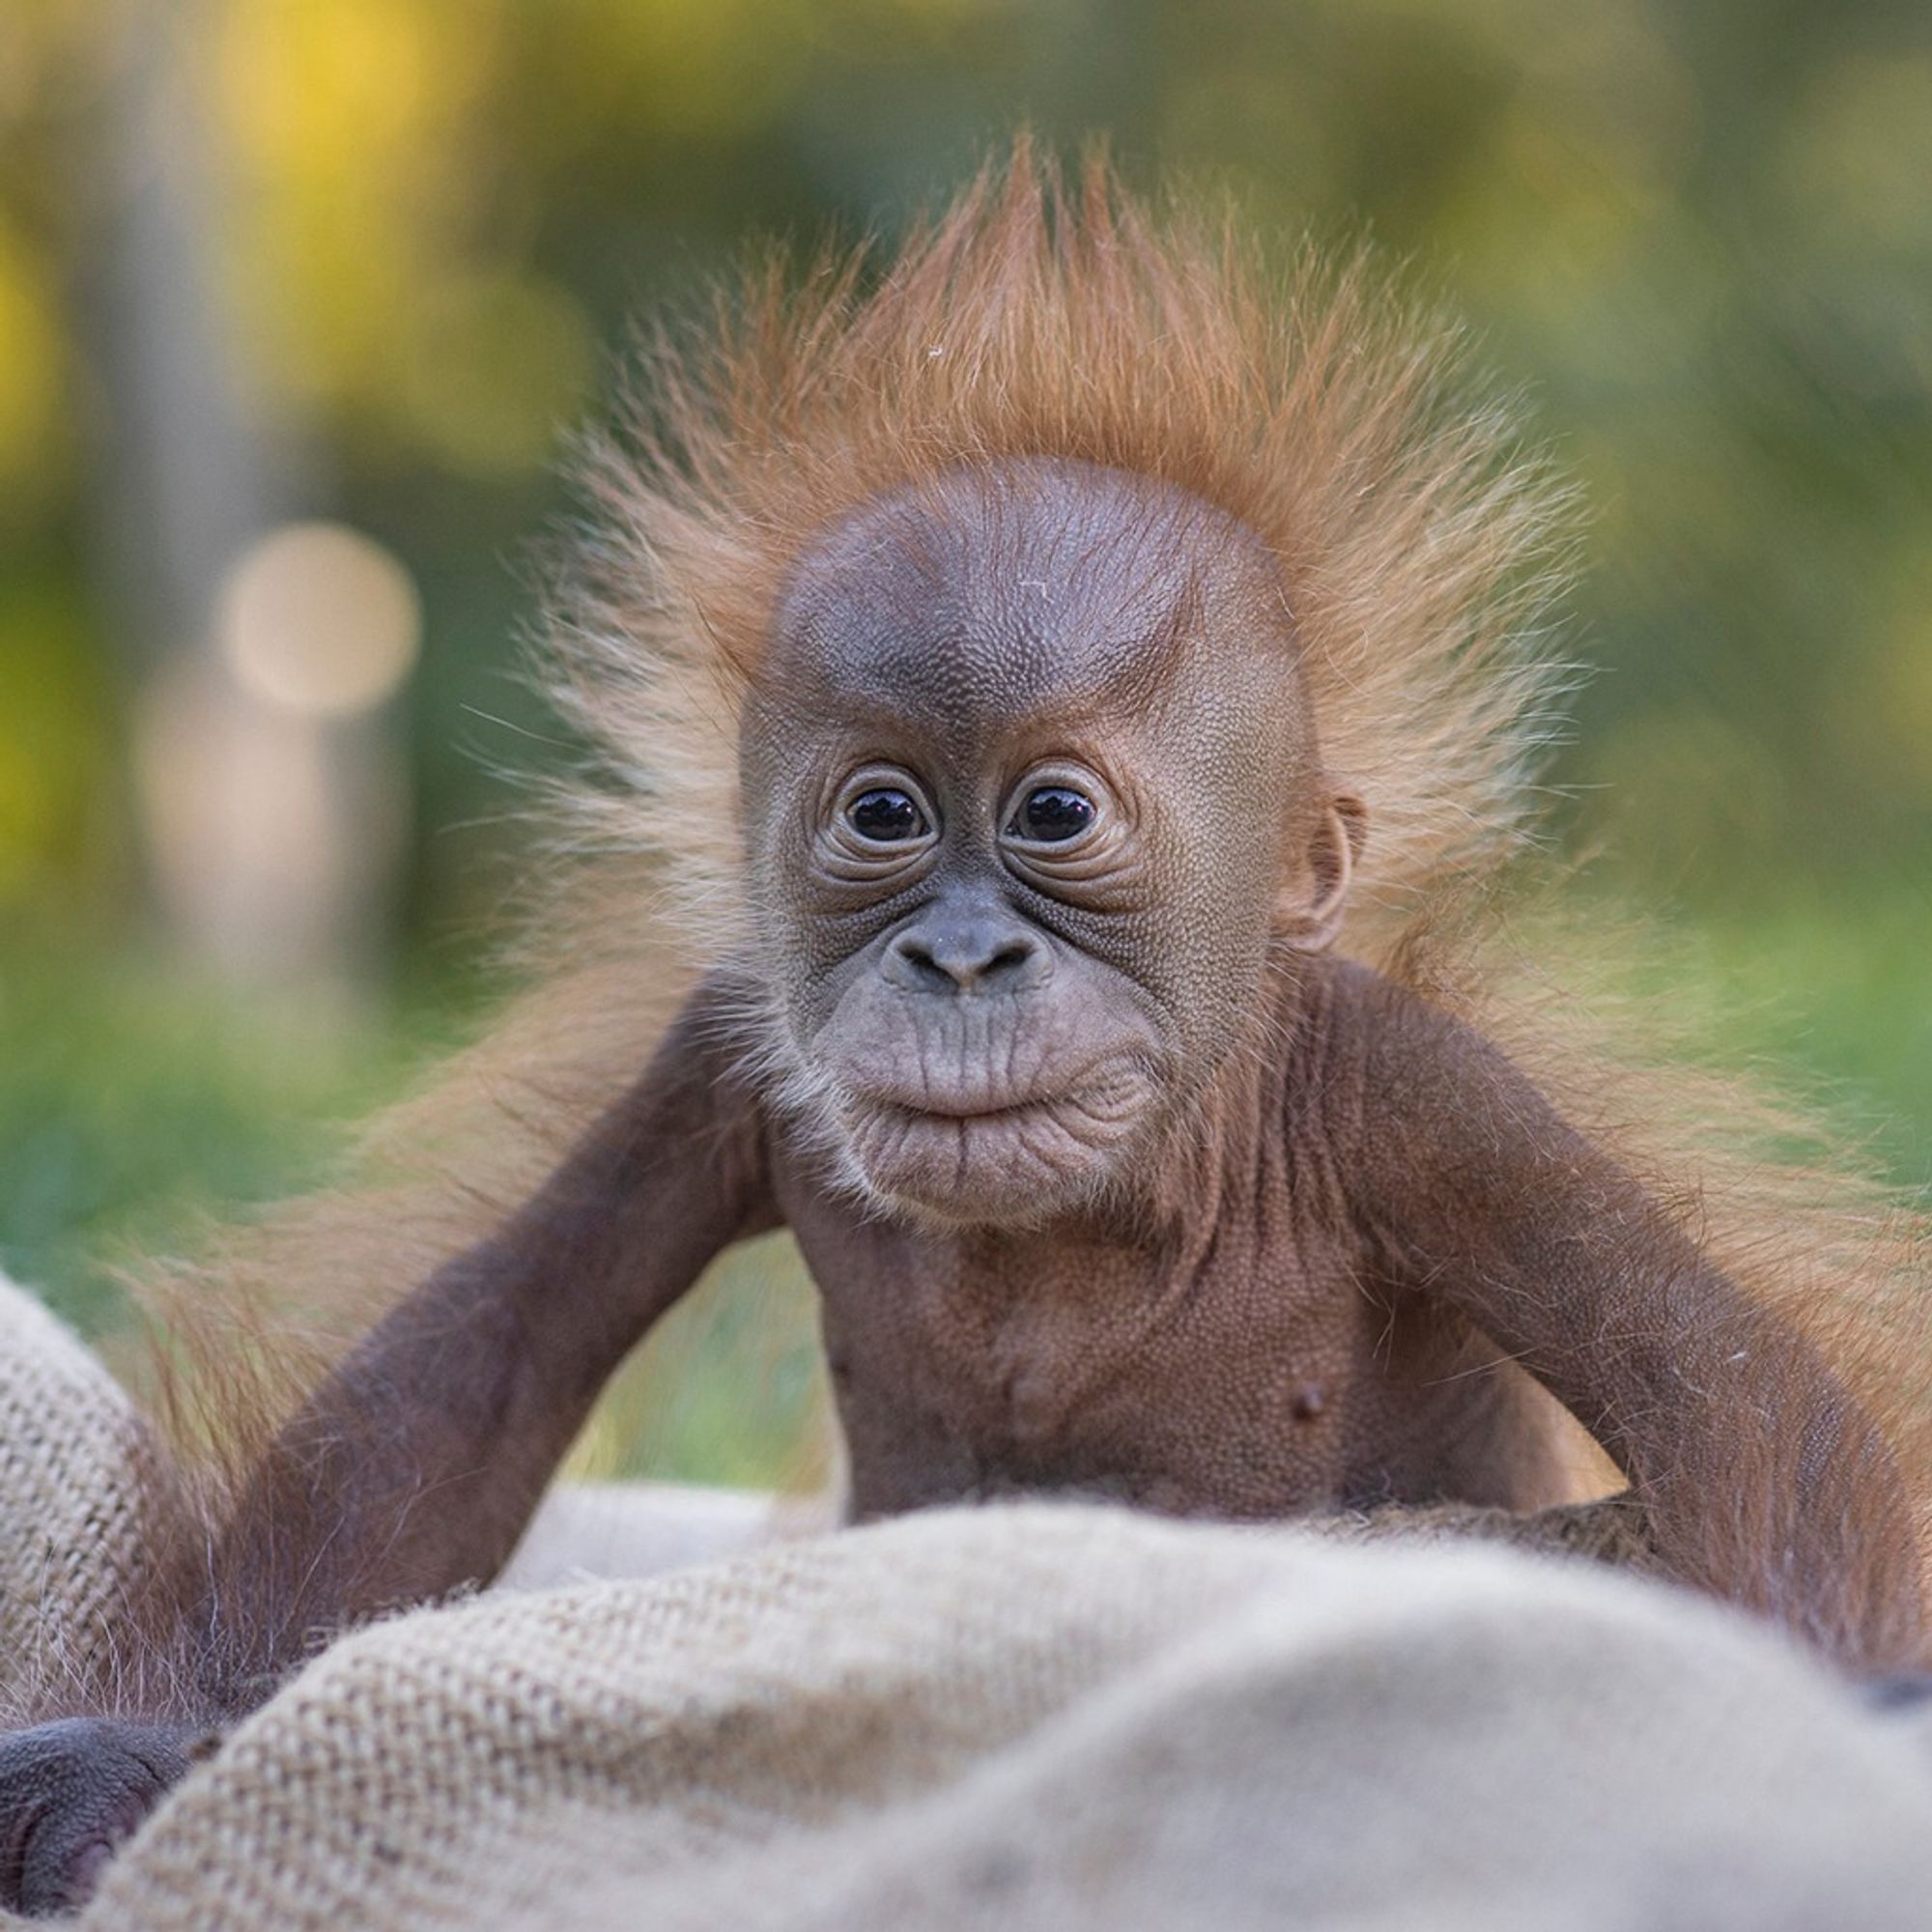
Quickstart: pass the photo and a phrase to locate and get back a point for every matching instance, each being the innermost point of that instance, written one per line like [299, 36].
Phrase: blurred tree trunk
[270, 835]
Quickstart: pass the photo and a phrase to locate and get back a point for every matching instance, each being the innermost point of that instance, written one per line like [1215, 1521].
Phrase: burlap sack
[1023, 1718]
[71, 1532]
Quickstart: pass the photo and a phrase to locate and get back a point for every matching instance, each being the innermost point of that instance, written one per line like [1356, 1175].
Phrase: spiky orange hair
[1416, 545]
[1036, 318]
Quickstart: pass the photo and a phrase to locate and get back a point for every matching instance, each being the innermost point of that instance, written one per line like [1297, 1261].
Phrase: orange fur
[1418, 543]
[1035, 319]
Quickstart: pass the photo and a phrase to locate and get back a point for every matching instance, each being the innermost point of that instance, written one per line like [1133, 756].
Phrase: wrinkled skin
[1003, 1018]
[1112, 1181]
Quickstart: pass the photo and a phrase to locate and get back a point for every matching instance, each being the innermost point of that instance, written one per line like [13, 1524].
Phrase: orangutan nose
[968, 950]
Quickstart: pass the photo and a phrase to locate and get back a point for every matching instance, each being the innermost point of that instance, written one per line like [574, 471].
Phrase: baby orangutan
[1073, 618]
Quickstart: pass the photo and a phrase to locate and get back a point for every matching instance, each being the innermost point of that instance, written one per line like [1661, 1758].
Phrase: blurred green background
[299, 299]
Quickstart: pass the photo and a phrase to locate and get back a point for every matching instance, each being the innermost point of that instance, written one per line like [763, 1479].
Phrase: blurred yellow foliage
[33, 371]
[348, 160]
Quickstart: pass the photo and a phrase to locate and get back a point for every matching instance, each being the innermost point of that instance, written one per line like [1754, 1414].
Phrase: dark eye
[886, 816]
[1052, 814]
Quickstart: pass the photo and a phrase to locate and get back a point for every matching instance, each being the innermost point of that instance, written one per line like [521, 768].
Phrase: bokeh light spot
[319, 620]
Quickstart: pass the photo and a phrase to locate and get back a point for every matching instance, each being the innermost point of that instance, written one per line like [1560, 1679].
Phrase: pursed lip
[1113, 1079]
[964, 1115]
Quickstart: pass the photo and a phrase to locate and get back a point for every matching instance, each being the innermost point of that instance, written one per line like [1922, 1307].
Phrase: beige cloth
[71, 1449]
[1024, 1718]
[587, 1532]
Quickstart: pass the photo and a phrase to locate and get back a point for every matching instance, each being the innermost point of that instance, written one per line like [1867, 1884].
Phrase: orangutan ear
[1312, 904]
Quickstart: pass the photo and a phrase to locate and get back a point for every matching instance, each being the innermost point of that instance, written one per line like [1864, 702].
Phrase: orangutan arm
[1763, 1478]
[413, 1470]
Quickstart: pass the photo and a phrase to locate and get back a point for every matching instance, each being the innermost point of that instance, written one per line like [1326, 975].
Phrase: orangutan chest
[1233, 1388]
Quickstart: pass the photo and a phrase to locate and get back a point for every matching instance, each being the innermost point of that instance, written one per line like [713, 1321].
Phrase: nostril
[925, 968]
[946, 962]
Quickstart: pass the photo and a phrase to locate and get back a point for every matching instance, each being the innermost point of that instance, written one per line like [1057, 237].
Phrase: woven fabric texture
[1029, 1717]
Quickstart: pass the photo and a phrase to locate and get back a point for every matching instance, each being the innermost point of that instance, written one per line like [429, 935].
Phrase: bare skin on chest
[1249, 1360]
[1058, 989]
